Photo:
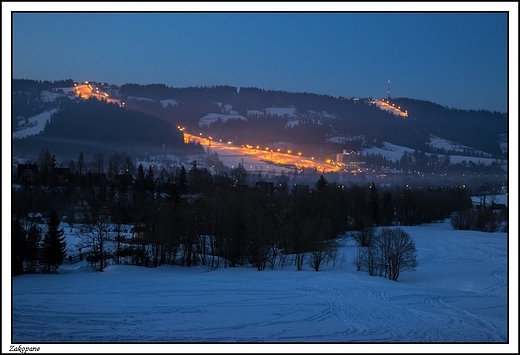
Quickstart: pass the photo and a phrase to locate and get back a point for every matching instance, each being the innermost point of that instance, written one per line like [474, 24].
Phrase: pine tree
[183, 180]
[374, 205]
[54, 244]
[18, 247]
[322, 183]
[32, 256]
[81, 163]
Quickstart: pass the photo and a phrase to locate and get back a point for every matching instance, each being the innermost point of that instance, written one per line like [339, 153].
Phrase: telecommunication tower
[388, 92]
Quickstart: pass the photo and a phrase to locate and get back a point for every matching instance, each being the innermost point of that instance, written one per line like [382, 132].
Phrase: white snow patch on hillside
[213, 117]
[394, 153]
[390, 151]
[256, 113]
[447, 145]
[169, 102]
[67, 90]
[292, 123]
[281, 111]
[135, 98]
[343, 139]
[39, 124]
[49, 96]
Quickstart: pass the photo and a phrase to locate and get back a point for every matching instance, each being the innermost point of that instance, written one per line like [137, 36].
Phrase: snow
[440, 143]
[343, 139]
[39, 121]
[281, 111]
[169, 102]
[390, 151]
[135, 98]
[256, 113]
[394, 153]
[213, 117]
[67, 90]
[457, 294]
[49, 96]
[292, 123]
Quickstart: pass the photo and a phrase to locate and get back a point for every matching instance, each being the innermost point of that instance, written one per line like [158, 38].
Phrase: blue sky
[453, 59]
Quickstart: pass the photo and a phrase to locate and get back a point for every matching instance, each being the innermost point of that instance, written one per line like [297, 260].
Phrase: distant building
[339, 157]
[27, 173]
[81, 209]
[62, 174]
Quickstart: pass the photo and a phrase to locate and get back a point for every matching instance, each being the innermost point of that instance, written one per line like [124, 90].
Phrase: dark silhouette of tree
[397, 252]
[374, 205]
[46, 165]
[33, 253]
[54, 244]
[97, 238]
[81, 163]
[183, 180]
[322, 183]
[18, 247]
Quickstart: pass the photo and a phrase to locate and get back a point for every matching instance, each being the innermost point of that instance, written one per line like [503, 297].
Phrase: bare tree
[397, 252]
[96, 239]
[99, 162]
[115, 164]
[392, 251]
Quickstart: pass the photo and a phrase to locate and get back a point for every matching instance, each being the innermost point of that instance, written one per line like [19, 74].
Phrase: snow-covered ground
[395, 152]
[282, 111]
[169, 102]
[213, 117]
[441, 143]
[39, 124]
[457, 295]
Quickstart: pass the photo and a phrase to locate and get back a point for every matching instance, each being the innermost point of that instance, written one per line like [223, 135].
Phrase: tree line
[195, 217]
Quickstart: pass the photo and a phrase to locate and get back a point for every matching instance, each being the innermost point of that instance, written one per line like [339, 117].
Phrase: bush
[392, 251]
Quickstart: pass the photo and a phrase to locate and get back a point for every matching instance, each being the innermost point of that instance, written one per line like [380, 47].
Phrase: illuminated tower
[388, 92]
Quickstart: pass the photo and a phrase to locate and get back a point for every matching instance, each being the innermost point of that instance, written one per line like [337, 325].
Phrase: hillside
[91, 126]
[479, 130]
[321, 124]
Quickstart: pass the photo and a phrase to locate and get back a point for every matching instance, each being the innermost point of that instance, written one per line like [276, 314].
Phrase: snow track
[457, 294]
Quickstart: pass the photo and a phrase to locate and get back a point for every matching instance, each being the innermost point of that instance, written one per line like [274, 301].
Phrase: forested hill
[348, 116]
[101, 122]
[474, 128]
[94, 126]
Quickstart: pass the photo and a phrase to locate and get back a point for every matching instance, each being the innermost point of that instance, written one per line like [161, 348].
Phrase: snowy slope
[457, 294]
[39, 124]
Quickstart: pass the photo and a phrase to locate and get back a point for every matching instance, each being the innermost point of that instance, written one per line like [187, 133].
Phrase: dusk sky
[453, 59]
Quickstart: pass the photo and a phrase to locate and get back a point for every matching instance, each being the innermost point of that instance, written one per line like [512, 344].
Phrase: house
[62, 175]
[81, 209]
[27, 173]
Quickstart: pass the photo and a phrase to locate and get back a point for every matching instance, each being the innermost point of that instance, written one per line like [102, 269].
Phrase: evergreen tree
[18, 247]
[374, 205]
[183, 180]
[32, 256]
[81, 163]
[46, 164]
[322, 183]
[54, 244]
[150, 179]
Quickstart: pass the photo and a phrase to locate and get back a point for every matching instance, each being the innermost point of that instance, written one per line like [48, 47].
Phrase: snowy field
[394, 153]
[457, 296]
[38, 123]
